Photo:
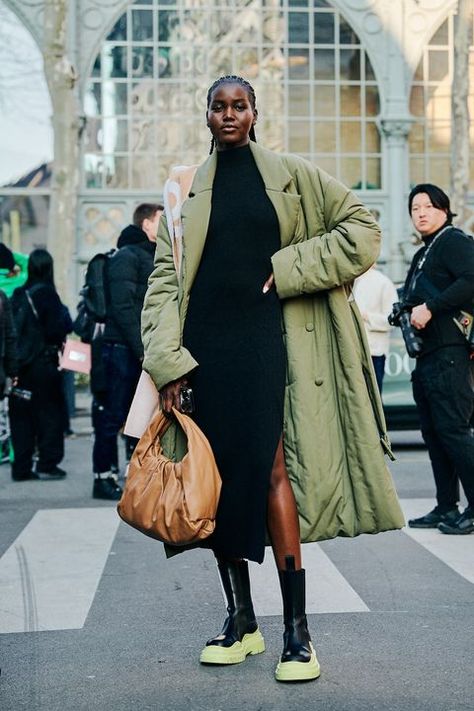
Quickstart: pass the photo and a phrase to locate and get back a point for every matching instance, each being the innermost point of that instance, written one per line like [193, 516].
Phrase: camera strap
[417, 272]
[428, 249]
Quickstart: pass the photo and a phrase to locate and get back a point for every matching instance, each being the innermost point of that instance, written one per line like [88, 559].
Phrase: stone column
[395, 131]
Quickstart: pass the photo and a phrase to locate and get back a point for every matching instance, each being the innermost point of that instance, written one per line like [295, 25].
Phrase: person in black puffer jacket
[36, 406]
[122, 351]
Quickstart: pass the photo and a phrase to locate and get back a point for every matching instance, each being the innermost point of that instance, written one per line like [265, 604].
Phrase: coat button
[319, 381]
[309, 326]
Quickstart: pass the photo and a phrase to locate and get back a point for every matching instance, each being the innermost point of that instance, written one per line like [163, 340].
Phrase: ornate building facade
[359, 87]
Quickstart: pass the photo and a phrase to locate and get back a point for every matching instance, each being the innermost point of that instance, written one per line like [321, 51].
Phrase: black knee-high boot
[240, 635]
[298, 661]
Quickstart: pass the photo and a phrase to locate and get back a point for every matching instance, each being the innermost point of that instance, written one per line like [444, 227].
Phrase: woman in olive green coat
[334, 438]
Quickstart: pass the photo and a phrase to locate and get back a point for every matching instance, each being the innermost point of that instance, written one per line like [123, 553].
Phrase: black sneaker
[434, 518]
[55, 473]
[463, 525]
[106, 488]
[25, 477]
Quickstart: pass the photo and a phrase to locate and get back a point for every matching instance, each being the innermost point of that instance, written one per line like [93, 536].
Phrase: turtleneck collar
[429, 238]
[233, 153]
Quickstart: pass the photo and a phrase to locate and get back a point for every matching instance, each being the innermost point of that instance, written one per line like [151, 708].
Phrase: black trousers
[443, 388]
[39, 422]
[110, 408]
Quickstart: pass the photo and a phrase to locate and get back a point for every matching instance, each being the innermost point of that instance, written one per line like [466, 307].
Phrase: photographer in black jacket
[439, 285]
[122, 353]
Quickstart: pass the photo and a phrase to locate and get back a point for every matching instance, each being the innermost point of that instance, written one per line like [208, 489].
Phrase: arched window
[145, 102]
[430, 105]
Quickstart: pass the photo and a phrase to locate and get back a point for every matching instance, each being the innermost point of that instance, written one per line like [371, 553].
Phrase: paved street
[93, 618]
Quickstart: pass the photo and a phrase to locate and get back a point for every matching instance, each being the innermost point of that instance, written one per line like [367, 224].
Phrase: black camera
[400, 317]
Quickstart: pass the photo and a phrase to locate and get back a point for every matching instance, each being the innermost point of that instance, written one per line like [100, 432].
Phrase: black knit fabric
[234, 332]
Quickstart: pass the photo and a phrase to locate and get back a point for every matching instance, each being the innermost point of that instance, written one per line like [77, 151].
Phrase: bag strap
[33, 308]
[28, 293]
[175, 192]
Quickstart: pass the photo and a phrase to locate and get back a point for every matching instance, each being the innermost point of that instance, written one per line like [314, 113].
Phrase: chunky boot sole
[252, 643]
[298, 671]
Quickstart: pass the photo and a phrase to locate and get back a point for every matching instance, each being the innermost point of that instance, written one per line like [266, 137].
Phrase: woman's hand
[269, 283]
[169, 395]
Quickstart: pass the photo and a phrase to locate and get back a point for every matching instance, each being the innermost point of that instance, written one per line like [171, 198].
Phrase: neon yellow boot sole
[298, 671]
[252, 643]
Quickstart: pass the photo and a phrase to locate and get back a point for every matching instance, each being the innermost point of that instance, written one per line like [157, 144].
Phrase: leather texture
[296, 639]
[240, 635]
[173, 502]
[240, 618]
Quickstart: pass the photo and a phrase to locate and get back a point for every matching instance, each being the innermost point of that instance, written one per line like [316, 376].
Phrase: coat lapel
[195, 214]
[281, 190]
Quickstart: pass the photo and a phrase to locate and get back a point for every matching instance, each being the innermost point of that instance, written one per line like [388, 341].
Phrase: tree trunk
[61, 79]
[460, 109]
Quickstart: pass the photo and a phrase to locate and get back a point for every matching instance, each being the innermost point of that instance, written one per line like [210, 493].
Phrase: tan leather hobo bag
[174, 502]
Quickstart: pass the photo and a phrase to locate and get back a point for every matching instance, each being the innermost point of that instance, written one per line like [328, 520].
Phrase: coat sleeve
[122, 276]
[165, 358]
[348, 247]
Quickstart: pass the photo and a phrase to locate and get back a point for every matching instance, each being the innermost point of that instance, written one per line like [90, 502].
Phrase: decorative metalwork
[430, 105]
[145, 100]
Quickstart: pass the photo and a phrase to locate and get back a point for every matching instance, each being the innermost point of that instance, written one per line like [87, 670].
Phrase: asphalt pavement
[94, 618]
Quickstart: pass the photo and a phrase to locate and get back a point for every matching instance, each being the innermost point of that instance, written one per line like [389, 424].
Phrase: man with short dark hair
[122, 353]
[439, 286]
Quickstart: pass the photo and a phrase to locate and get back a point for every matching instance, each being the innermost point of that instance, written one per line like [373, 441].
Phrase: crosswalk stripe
[455, 551]
[50, 574]
[327, 589]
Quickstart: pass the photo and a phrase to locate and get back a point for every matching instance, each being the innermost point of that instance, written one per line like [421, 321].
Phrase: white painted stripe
[455, 551]
[50, 574]
[326, 588]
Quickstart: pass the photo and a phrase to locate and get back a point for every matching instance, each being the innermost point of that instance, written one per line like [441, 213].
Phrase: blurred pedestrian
[261, 326]
[8, 344]
[69, 391]
[7, 259]
[8, 370]
[37, 402]
[439, 293]
[375, 295]
[126, 280]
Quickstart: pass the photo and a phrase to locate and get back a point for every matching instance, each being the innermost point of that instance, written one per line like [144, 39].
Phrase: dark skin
[230, 116]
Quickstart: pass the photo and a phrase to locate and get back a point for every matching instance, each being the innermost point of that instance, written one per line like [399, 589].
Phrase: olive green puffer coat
[334, 429]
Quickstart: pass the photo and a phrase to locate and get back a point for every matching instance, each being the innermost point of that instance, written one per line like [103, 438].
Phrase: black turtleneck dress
[234, 332]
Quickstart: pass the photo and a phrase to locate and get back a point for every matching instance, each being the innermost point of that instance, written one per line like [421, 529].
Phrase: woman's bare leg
[298, 661]
[282, 516]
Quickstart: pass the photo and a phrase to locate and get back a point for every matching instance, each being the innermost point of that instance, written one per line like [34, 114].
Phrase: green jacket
[334, 428]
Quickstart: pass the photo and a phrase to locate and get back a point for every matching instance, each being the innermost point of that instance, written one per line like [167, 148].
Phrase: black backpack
[30, 339]
[92, 308]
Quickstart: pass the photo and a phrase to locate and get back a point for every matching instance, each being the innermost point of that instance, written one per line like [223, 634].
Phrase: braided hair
[234, 79]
